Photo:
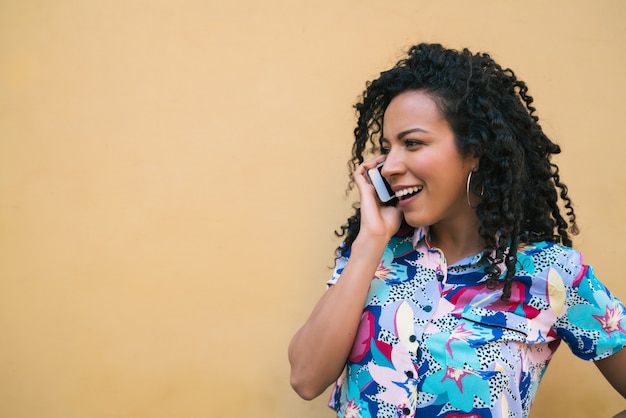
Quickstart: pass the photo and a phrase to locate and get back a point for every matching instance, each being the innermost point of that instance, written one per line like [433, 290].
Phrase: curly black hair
[491, 114]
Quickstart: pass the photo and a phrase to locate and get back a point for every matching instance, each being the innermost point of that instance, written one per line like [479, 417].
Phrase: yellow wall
[171, 173]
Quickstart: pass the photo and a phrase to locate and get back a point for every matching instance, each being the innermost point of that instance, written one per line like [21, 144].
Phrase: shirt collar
[421, 235]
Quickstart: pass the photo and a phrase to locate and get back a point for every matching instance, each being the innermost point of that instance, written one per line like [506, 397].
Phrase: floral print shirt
[435, 341]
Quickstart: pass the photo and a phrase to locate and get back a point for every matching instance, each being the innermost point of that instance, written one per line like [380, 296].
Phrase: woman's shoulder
[547, 250]
[547, 259]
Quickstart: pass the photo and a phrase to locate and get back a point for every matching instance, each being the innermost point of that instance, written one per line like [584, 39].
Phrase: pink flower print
[364, 335]
[400, 382]
[456, 374]
[459, 333]
[352, 410]
[382, 272]
[610, 321]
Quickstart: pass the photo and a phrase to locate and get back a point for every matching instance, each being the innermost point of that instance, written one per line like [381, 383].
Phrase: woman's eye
[384, 151]
[413, 143]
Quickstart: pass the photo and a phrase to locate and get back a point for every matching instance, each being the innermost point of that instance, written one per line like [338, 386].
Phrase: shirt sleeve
[593, 321]
[340, 264]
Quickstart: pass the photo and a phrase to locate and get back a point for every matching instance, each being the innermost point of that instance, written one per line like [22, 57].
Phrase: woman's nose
[392, 165]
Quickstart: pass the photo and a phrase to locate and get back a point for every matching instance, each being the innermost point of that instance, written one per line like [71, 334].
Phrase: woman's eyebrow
[408, 131]
[405, 133]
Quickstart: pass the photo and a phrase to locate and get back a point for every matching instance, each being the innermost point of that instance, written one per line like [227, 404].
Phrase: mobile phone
[383, 189]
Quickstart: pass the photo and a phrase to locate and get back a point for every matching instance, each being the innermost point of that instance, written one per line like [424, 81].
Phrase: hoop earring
[468, 188]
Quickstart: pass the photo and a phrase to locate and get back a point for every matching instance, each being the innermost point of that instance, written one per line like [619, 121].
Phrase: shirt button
[406, 411]
[428, 308]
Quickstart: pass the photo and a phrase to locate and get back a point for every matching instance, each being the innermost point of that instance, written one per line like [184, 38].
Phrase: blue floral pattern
[435, 341]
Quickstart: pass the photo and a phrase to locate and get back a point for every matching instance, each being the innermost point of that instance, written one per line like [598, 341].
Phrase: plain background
[171, 174]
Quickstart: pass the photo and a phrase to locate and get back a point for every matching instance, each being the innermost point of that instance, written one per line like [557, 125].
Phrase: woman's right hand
[377, 220]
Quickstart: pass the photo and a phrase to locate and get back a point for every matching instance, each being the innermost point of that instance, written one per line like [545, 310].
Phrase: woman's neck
[457, 241]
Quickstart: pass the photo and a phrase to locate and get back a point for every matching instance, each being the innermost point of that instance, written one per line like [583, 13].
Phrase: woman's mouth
[408, 192]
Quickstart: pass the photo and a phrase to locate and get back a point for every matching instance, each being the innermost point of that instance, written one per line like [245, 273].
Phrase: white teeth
[408, 191]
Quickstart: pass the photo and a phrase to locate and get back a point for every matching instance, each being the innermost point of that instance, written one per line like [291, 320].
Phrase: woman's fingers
[375, 218]
[361, 177]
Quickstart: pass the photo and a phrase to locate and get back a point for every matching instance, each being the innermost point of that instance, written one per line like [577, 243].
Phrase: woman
[451, 300]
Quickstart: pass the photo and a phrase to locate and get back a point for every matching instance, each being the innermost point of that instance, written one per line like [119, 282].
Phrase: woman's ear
[474, 162]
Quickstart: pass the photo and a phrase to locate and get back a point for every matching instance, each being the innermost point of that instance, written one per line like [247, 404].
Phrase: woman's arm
[614, 370]
[319, 350]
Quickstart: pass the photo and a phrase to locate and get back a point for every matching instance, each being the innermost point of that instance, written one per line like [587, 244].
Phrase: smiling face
[423, 165]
